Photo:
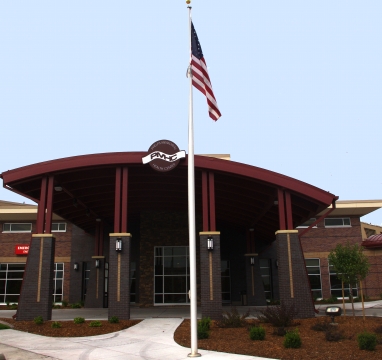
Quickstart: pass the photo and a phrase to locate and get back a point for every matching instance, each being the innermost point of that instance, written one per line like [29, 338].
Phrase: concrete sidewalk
[151, 339]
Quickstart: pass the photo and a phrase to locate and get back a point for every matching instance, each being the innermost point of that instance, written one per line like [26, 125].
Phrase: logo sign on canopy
[164, 155]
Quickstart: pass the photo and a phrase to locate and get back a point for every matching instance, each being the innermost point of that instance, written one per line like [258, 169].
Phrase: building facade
[108, 231]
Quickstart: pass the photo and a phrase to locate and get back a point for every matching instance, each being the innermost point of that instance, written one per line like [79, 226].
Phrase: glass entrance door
[171, 275]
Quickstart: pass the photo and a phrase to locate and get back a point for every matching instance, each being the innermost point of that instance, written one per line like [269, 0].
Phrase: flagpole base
[194, 355]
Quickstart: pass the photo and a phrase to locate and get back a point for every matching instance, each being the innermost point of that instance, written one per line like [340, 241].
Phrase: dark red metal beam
[281, 203]
[41, 206]
[211, 188]
[49, 205]
[124, 199]
[117, 206]
[205, 200]
[288, 210]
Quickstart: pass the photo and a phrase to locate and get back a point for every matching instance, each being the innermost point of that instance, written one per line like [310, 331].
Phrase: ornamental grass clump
[232, 319]
[367, 341]
[38, 320]
[292, 340]
[56, 325]
[79, 320]
[114, 320]
[95, 323]
[279, 315]
[257, 333]
[203, 329]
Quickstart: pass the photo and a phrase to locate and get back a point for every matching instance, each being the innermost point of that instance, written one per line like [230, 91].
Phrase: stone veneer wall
[294, 285]
[160, 228]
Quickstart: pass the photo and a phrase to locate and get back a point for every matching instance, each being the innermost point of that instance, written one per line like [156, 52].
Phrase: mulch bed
[69, 328]
[314, 345]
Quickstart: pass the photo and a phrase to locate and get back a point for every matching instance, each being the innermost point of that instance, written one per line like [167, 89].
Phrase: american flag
[200, 78]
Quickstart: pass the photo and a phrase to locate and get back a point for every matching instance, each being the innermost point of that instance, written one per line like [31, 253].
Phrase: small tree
[350, 264]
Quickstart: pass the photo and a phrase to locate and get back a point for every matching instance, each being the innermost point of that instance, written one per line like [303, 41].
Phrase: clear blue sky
[299, 84]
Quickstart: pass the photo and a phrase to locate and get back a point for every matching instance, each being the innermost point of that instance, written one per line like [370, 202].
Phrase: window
[133, 279]
[171, 275]
[226, 281]
[314, 274]
[336, 286]
[58, 282]
[17, 227]
[85, 278]
[11, 277]
[58, 227]
[265, 270]
[337, 222]
[306, 224]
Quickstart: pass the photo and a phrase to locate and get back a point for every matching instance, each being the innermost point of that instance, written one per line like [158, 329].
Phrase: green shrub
[292, 340]
[279, 315]
[203, 329]
[333, 334]
[95, 323]
[79, 320]
[4, 327]
[56, 325]
[13, 306]
[257, 333]
[206, 322]
[114, 320]
[64, 303]
[75, 306]
[38, 320]
[367, 341]
[232, 319]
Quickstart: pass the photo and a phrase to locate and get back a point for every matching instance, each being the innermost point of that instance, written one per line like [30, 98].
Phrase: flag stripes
[200, 77]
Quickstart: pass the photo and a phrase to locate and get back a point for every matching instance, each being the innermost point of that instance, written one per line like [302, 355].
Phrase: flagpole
[191, 212]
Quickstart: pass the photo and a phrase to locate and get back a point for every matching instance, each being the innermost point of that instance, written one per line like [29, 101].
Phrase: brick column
[37, 287]
[96, 288]
[294, 284]
[210, 275]
[119, 277]
[255, 286]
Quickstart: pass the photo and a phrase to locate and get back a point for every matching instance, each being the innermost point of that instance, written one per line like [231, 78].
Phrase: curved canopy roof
[245, 195]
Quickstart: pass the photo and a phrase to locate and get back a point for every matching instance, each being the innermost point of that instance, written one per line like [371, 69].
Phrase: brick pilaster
[294, 284]
[37, 288]
[255, 286]
[95, 288]
[210, 275]
[119, 277]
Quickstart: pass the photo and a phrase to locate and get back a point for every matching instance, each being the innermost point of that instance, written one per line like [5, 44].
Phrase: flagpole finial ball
[188, 2]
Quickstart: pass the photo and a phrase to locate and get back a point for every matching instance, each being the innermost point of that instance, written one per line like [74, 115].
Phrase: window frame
[338, 226]
[16, 231]
[319, 268]
[58, 226]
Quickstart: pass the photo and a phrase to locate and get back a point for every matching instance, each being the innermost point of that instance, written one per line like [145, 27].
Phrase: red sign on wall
[22, 249]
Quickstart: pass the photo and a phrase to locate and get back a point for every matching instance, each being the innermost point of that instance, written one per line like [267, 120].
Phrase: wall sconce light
[98, 220]
[97, 263]
[75, 266]
[277, 263]
[118, 244]
[210, 243]
[252, 260]
[58, 188]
